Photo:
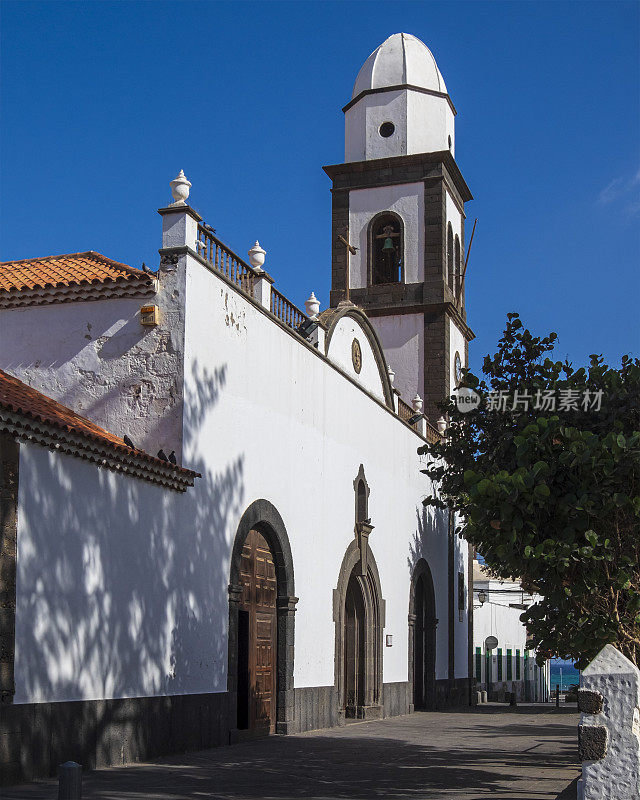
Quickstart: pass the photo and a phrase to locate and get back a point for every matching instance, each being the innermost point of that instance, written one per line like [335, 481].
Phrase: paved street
[528, 753]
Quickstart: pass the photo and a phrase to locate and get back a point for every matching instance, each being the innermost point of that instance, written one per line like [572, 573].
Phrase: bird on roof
[172, 457]
[162, 455]
[128, 442]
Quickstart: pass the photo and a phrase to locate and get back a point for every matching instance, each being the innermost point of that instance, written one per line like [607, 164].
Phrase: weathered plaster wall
[96, 358]
[406, 200]
[611, 772]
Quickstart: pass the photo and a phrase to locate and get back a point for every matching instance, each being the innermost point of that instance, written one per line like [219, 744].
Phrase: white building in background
[288, 576]
[502, 659]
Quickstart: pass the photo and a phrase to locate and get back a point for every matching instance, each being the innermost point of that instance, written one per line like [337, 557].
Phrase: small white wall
[430, 122]
[402, 338]
[96, 358]
[347, 329]
[407, 200]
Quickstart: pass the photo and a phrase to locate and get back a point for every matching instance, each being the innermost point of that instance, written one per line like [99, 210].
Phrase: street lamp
[482, 597]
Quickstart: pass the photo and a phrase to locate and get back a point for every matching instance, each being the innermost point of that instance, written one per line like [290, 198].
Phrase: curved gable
[347, 325]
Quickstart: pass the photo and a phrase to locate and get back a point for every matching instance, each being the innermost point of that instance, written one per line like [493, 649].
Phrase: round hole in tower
[387, 129]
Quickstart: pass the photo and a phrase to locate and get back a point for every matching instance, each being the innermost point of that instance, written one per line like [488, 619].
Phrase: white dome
[400, 59]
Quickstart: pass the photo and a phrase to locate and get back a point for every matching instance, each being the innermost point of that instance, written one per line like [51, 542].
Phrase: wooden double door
[257, 637]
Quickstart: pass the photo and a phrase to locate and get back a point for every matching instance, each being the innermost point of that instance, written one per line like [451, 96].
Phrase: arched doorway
[354, 649]
[261, 624]
[422, 637]
[359, 620]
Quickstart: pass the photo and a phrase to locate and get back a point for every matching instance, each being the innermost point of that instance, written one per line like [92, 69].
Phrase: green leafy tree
[551, 496]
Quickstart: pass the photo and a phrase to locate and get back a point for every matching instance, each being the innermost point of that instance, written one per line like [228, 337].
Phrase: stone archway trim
[372, 593]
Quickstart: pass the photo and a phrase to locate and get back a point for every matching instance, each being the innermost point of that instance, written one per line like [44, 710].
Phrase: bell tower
[398, 218]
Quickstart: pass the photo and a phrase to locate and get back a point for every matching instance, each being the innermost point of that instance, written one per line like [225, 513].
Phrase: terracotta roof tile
[73, 269]
[19, 398]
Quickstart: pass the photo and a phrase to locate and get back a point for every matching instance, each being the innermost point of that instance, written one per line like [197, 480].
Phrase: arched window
[450, 271]
[386, 249]
[361, 488]
[458, 265]
[361, 502]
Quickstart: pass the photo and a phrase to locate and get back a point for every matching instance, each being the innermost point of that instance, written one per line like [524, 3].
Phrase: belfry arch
[358, 613]
[261, 533]
[422, 637]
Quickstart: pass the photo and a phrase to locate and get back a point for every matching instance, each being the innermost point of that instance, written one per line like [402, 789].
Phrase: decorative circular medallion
[457, 369]
[356, 356]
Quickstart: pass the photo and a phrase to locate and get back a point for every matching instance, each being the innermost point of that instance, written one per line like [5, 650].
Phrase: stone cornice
[400, 87]
[394, 169]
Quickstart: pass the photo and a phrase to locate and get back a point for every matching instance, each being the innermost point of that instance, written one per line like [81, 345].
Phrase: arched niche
[385, 243]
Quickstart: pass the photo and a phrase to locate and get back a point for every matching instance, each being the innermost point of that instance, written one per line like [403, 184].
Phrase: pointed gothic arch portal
[359, 621]
[422, 637]
[261, 624]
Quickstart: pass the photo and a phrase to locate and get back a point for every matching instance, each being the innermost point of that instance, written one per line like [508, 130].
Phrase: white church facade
[272, 569]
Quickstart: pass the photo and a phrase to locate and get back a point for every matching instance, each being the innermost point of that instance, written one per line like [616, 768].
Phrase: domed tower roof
[400, 59]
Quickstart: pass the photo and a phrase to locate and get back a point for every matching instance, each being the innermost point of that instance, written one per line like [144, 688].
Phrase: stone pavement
[526, 753]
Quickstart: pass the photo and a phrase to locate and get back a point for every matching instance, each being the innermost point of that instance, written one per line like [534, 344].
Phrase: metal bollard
[557, 695]
[69, 781]
[484, 696]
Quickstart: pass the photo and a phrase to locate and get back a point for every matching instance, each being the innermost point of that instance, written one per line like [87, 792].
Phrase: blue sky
[103, 103]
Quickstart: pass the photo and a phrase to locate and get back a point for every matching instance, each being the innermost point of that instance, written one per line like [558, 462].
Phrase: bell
[388, 244]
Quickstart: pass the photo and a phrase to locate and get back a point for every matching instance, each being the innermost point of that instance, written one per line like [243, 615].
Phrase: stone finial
[180, 189]
[417, 404]
[312, 306]
[256, 255]
[442, 425]
[391, 374]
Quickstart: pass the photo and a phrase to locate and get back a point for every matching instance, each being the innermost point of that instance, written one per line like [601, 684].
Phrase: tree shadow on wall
[122, 590]
[431, 534]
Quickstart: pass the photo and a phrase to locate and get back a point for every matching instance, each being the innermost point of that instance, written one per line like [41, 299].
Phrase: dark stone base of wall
[452, 694]
[36, 738]
[315, 707]
[397, 698]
